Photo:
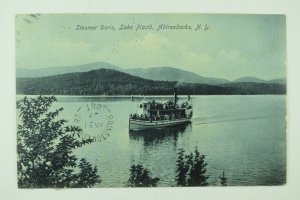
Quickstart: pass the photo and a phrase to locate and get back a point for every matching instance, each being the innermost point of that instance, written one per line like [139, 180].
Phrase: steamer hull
[142, 124]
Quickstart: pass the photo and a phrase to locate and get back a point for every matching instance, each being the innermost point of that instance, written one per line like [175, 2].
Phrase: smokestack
[175, 95]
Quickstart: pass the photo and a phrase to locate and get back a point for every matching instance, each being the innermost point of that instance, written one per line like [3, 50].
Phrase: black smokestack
[175, 95]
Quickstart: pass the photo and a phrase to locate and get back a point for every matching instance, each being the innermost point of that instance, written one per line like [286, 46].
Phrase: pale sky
[234, 46]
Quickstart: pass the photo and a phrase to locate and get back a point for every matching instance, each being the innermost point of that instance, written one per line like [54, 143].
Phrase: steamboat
[153, 114]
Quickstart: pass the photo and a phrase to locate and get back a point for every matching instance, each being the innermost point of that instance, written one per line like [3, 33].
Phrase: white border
[8, 9]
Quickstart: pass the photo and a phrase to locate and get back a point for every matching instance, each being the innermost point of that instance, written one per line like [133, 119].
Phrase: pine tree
[88, 175]
[182, 169]
[140, 177]
[198, 170]
[191, 169]
[223, 179]
[45, 148]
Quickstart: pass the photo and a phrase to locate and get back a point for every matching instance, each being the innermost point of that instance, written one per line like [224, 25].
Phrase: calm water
[241, 135]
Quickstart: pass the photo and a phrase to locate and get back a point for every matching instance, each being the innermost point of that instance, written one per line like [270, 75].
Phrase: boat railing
[157, 118]
[166, 110]
[162, 121]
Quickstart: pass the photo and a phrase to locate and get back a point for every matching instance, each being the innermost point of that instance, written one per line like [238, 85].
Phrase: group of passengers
[163, 106]
[153, 117]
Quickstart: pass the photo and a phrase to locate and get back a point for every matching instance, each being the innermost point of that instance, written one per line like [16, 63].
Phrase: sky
[233, 46]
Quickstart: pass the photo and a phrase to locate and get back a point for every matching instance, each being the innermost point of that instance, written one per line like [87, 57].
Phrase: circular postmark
[96, 121]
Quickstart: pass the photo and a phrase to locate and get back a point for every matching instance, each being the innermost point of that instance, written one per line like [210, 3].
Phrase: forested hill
[112, 82]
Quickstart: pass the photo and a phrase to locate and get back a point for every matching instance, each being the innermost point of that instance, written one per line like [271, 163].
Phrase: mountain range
[113, 82]
[164, 73]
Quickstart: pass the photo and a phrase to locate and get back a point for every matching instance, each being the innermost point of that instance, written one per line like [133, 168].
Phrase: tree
[140, 177]
[182, 169]
[45, 148]
[223, 179]
[191, 169]
[198, 170]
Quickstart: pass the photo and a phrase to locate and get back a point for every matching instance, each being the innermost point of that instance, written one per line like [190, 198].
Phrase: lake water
[244, 136]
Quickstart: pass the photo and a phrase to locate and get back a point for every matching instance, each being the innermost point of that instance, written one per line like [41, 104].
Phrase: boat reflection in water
[160, 135]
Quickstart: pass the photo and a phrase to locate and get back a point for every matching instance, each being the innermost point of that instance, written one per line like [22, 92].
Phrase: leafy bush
[45, 148]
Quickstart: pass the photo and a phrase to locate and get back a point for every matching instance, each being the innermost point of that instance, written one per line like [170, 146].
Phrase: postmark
[96, 120]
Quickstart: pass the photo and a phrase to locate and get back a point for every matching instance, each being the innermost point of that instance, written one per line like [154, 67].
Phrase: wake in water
[224, 119]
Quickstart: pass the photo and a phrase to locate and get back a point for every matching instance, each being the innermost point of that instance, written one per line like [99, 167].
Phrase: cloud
[55, 53]
[154, 49]
[147, 50]
[252, 45]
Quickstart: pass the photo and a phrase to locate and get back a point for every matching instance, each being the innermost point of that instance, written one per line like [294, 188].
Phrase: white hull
[141, 124]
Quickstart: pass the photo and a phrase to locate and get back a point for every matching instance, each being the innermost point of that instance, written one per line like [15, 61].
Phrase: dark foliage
[198, 170]
[256, 88]
[182, 169]
[44, 148]
[112, 82]
[191, 169]
[223, 179]
[140, 177]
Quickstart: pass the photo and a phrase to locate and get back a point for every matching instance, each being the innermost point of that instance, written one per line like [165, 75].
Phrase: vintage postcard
[150, 100]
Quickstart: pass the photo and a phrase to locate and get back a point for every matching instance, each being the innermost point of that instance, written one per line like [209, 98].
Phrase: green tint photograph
[150, 100]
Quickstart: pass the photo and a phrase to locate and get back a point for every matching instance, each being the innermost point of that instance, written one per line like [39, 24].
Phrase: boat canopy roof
[170, 110]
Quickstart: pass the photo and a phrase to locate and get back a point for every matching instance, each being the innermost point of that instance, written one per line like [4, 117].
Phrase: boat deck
[136, 124]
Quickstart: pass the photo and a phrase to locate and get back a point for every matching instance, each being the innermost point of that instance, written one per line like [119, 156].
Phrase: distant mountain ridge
[50, 71]
[257, 80]
[112, 82]
[173, 74]
[164, 73]
[249, 79]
